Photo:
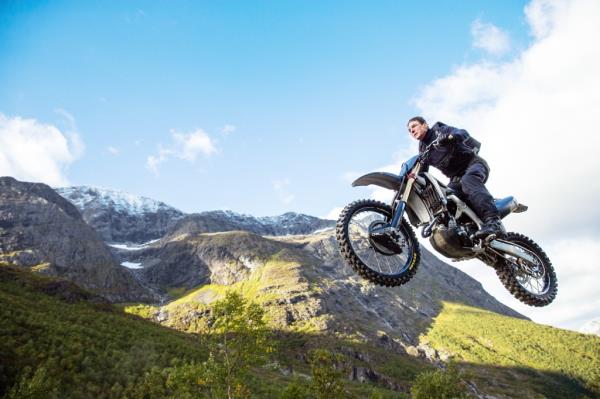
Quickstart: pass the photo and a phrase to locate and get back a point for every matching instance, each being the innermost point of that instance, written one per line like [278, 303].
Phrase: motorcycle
[378, 242]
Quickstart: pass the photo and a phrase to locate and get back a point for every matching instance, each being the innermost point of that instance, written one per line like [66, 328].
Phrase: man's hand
[445, 138]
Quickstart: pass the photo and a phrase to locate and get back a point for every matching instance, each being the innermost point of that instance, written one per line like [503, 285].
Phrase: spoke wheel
[533, 283]
[387, 260]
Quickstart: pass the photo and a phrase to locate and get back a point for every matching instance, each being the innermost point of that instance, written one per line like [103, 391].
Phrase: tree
[36, 385]
[239, 339]
[327, 374]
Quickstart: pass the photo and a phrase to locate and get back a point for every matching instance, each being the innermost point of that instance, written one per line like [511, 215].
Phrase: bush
[296, 390]
[439, 384]
[327, 374]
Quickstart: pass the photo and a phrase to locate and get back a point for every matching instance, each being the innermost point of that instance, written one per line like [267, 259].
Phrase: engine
[450, 242]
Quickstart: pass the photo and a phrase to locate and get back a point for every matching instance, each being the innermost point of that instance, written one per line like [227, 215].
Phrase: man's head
[417, 127]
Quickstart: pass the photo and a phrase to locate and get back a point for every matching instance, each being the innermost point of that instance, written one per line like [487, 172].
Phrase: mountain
[119, 216]
[289, 265]
[303, 283]
[42, 231]
[216, 221]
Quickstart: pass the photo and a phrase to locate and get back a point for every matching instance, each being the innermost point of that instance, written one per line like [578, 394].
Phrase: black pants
[470, 186]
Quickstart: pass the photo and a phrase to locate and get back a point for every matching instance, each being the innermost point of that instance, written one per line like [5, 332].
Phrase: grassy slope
[517, 357]
[90, 348]
[96, 350]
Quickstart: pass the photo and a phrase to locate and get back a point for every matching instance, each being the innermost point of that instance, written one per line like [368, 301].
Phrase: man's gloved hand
[445, 138]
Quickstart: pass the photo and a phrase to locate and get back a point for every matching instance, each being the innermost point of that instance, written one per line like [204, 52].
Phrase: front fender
[382, 179]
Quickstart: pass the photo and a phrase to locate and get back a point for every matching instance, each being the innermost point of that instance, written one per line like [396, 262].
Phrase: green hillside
[85, 349]
[508, 356]
[60, 341]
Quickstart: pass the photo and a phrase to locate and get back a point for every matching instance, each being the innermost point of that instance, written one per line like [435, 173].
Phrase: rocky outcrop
[42, 231]
[220, 258]
[122, 217]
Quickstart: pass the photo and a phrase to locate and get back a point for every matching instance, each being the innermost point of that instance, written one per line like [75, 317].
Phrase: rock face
[121, 217]
[41, 230]
[217, 221]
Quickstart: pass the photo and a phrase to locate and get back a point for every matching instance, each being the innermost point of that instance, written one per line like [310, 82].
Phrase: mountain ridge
[42, 231]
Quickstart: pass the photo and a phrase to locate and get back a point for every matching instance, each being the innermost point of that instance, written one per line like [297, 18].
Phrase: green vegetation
[439, 384]
[239, 340]
[517, 356]
[77, 348]
[58, 344]
[61, 341]
[327, 371]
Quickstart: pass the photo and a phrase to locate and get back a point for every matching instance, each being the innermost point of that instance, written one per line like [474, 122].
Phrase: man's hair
[419, 119]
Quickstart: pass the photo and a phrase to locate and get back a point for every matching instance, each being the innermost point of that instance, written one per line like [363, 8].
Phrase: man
[467, 171]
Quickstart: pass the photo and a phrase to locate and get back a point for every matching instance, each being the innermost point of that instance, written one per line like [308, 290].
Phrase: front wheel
[531, 283]
[388, 260]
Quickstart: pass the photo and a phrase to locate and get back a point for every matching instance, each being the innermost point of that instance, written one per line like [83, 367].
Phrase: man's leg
[473, 185]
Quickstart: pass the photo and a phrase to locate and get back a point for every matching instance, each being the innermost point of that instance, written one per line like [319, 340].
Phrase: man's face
[417, 130]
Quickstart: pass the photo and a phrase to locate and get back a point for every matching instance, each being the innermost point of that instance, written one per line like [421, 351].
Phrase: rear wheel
[388, 260]
[533, 283]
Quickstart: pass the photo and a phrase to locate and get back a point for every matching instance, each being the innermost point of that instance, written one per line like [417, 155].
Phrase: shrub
[439, 384]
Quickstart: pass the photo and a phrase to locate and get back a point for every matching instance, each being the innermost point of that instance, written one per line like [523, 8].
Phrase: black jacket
[452, 159]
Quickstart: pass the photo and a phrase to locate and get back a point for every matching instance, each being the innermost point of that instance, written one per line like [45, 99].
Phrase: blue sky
[314, 89]
[264, 107]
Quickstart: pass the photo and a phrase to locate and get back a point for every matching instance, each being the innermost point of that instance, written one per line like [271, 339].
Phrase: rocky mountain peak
[89, 196]
[42, 231]
[119, 216]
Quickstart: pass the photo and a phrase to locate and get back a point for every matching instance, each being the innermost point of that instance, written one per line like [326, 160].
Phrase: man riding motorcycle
[457, 158]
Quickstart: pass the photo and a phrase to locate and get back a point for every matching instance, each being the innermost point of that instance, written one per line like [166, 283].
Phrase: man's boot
[491, 226]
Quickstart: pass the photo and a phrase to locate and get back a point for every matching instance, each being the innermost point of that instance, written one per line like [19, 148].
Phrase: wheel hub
[383, 239]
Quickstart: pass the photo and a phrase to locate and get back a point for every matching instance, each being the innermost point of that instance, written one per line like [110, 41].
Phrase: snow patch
[85, 196]
[132, 265]
[323, 230]
[133, 247]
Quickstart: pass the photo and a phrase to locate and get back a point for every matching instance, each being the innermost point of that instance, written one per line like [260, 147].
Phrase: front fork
[411, 177]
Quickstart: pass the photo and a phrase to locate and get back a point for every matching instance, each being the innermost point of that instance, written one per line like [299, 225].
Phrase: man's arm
[458, 134]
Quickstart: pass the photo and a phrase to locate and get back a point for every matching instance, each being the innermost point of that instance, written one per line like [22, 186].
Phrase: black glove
[445, 138]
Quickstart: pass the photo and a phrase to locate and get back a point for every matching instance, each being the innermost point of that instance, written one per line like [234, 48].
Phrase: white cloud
[281, 188]
[489, 37]
[188, 146]
[544, 16]
[75, 142]
[34, 151]
[153, 161]
[334, 214]
[113, 150]
[536, 117]
[184, 146]
[228, 129]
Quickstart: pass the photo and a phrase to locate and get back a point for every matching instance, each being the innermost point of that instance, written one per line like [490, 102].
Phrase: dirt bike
[377, 241]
